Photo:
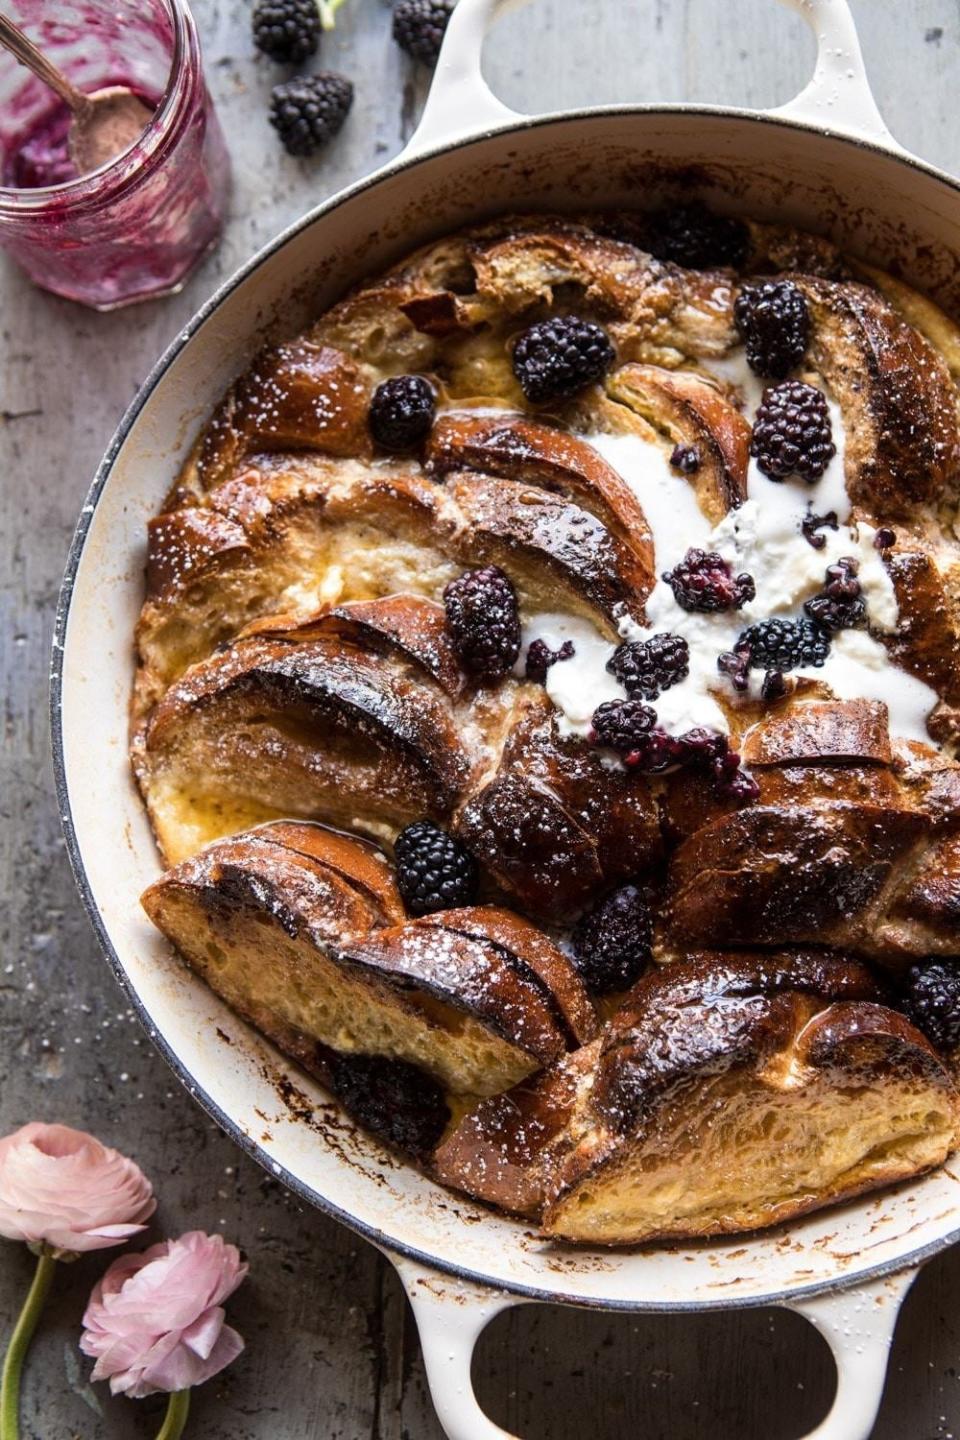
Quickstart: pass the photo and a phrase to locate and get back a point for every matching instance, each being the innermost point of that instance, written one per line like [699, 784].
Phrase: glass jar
[134, 228]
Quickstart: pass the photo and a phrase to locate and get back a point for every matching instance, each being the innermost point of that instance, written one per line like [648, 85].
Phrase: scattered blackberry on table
[812, 524]
[402, 412]
[686, 459]
[611, 944]
[419, 27]
[484, 621]
[286, 30]
[308, 111]
[393, 1099]
[840, 604]
[783, 644]
[692, 236]
[792, 433]
[434, 871]
[622, 724]
[556, 358]
[540, 658]
[932, 1001]
[774, 324]
[646, 667]
[704, 581]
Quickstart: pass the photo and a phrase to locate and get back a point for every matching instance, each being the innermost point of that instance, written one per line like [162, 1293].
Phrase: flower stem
[328, 9]
[20, 1344]
[178, 1408]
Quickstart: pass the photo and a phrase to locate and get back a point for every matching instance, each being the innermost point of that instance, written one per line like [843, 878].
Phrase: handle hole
[549, 56]
[548, 1373]
[925, 50]
[922, 1394]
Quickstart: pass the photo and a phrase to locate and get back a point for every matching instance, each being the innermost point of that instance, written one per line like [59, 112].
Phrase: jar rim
[104, 182]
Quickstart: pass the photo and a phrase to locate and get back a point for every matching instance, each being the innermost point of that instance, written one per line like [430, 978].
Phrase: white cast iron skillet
[826, 162]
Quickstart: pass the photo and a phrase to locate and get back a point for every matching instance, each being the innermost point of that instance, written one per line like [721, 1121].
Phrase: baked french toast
[547, 695]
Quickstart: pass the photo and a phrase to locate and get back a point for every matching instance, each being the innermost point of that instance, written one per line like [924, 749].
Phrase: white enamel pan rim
[404, 162]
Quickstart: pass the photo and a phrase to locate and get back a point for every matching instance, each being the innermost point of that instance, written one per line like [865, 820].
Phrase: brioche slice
[406, 627]
[555, 552]
[320, 730]
[652, 310]
[286, 534]
[517, 448]
[852, 843]
[297, 396]
[926, 641]
[300, 931]
[687, 409]
[901, 443]
[731, 1093]
[555, 826]
[818, 872]
[291, 534]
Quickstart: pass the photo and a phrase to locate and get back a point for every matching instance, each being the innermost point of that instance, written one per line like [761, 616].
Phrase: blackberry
[692, 236]
[791, 432]
[653, 752]
[783, 644]
[686, 459]
[884, 538]
[741, 788]
[840, 604]
[308, 111]
[774, 324]
[401, 412]
[735, 664]
[611, 944]
[540, 657]
[434, 871]
[556, 358]
[645, 667]
[622, 724]
[932, 1001]
[419, 27]
[812, 524]
[774, 686]
[703, 580]
[286, 30]
[710, 749]
[392, 1099]
[484, 621]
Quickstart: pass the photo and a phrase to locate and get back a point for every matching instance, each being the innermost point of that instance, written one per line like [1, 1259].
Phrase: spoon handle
[24, 50]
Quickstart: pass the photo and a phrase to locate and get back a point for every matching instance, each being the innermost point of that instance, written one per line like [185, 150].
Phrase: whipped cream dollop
[763, 538]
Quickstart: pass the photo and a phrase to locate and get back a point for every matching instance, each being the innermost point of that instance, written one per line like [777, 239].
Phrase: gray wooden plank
[332, 1350]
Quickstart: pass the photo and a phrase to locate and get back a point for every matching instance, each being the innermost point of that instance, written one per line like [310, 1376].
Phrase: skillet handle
[837, 98]
[451, 1315]
[858, 1325]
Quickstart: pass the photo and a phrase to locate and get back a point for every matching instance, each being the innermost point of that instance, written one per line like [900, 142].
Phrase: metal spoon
[104, 124]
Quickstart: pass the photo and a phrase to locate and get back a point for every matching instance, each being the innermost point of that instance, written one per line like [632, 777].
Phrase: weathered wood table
[332, 1351]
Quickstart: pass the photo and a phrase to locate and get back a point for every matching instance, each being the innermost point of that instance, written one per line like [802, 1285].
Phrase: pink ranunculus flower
[155, 1321]
[62, 1188]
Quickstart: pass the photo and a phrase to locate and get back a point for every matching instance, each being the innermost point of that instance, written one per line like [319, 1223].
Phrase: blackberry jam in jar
[134, 228]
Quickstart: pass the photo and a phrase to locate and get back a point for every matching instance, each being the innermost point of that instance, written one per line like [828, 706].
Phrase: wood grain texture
[332, 1351]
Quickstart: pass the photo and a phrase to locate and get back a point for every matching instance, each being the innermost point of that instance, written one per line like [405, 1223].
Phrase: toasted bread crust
[594, 1144]
[303, 926]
